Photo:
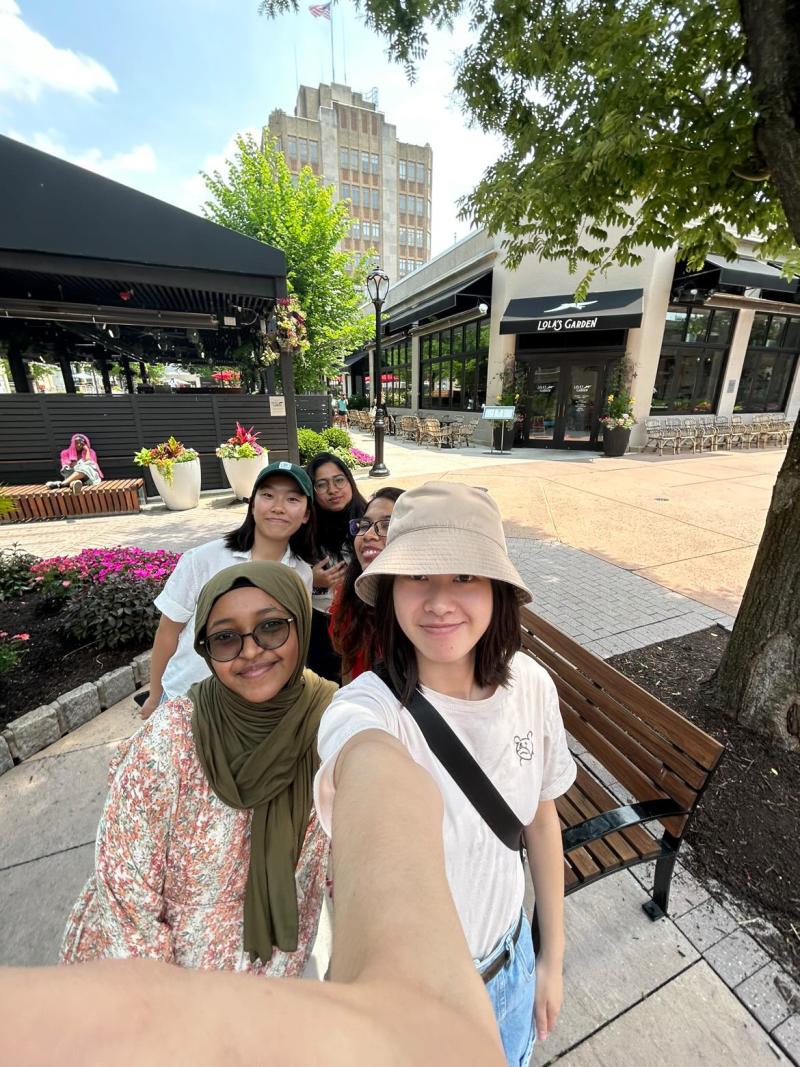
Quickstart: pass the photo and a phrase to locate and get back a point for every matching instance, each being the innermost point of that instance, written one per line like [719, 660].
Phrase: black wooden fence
[34, 429]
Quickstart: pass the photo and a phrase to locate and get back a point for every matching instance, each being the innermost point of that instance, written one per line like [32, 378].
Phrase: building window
[401, 168]
[693, 354]
[420, 172]
[420, 205]
[355, 195]
[344, 158]
[374, 125]
[402, 199]
[345, 191]
[292, 147]
[453, 364]
[373, 159]
[769, 364]
[420, 239]
[396, 374]
[355, 228]
[313, 151]
[302, 144]
[401, 266]
[376, 199]
[402, 235]
[365, 162]
[353, 159]
[279, 143]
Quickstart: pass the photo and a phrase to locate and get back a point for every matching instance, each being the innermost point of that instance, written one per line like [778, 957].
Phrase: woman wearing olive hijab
[209, 853]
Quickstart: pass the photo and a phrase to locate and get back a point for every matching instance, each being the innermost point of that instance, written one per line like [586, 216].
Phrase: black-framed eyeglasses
[225, 645]
[339, 481]
[360, 527]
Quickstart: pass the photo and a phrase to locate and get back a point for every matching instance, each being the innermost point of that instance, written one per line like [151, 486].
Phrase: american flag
[321, 11]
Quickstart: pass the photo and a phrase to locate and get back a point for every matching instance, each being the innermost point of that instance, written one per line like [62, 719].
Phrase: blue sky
[152, 91]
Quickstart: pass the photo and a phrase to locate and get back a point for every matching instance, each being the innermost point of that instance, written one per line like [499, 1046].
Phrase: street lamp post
[378, 287]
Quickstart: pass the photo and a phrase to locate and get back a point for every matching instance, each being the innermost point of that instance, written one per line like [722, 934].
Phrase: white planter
[241, 473]
[183, 492]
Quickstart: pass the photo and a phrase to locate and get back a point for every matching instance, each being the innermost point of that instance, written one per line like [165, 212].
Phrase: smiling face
[256, 674]
[370, 544]
[443, 616]
[332, 488]
[280, 508]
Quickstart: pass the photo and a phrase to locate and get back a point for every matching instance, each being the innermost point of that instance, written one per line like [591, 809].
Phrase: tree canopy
[625, 122]
[257, 197]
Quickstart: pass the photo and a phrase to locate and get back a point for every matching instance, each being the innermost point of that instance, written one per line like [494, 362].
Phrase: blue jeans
[511, 992]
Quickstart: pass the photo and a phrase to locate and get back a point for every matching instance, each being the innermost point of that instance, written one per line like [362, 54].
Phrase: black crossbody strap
[468, 775]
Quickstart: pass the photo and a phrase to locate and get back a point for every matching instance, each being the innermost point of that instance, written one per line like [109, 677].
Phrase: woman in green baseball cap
[275, 528]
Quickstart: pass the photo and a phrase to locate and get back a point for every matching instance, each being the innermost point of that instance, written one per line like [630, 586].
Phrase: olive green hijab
[264, 757]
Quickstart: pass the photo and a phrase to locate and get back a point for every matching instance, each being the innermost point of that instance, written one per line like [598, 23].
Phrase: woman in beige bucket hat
[447, 599]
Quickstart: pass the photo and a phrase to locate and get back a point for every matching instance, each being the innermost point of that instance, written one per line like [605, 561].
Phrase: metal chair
[687, 433]
[722, 431]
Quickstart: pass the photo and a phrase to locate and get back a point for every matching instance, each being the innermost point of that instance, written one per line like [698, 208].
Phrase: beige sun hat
[444, 528]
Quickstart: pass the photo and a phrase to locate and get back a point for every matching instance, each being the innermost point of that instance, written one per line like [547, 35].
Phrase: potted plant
[175, 471]
[508, 397]
[618, 422]
[242, 457]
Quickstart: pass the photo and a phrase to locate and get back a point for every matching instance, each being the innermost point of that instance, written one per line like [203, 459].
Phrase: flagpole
[333, 65]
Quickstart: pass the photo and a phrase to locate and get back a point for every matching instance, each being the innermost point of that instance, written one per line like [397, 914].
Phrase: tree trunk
[759, 676]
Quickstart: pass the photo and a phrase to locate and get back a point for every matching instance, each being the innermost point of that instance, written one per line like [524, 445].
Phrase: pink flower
[3, 633]
[66, 584]
[22, 637]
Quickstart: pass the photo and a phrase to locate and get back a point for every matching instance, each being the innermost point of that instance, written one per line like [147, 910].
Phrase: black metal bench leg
[657, 907]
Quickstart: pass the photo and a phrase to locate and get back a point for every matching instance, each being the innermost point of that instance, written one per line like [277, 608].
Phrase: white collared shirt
[178, 601]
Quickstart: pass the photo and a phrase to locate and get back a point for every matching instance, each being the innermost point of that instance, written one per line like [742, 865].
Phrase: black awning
[57, 218]
[460, 297]
[616, 310]
[356, 357]
[749, 273]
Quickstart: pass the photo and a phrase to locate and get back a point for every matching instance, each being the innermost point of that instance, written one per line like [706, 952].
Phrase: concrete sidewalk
[636, 992]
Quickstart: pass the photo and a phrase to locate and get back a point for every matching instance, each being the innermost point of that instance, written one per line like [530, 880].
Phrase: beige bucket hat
[444, 528]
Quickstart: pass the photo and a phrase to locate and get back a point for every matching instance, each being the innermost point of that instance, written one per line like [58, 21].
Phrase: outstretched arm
[404, 988]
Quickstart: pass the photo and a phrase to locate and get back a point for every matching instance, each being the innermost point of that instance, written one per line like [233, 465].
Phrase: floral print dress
[171, 864]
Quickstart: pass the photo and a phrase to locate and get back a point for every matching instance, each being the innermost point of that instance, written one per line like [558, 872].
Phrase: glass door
[562, 402]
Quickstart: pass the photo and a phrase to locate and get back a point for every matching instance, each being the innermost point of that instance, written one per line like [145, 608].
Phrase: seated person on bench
[79, 465]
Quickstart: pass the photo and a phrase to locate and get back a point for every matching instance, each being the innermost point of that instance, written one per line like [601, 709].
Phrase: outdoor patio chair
[408, 428]
[745, 432]
[465, 431]
[722, 431]
[433, 431]
[687, 434]
[772, 430]
[706, 433]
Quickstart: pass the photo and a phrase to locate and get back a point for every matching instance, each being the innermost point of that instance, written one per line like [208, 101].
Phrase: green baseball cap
[291, 470]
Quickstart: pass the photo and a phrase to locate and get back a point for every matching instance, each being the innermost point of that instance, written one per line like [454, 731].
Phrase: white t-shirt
[178, 600]
[518, 739]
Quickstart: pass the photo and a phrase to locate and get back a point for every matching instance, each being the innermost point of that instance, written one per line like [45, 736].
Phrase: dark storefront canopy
[617, 310]
[75, 245]
[473, 288]
[752, 274]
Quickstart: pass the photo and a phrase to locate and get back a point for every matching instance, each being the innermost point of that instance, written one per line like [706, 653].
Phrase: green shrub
[309, 443]
[346, 456]
[357, 402]
[337, 437]
[118, 611]
[15, 572]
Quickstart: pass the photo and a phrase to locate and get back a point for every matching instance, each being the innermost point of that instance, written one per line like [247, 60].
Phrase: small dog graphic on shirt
[524, 747]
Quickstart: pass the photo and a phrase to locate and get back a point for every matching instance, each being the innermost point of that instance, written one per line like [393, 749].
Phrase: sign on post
[277, 405]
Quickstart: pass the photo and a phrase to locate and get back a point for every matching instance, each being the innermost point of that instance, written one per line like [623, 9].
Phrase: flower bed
[83, 616]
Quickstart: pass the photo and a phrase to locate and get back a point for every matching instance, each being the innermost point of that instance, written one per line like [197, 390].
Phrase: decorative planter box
[241, 473]
[183, 492]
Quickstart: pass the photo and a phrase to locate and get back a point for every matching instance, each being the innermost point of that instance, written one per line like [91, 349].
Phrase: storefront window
[453, 366]
[396, 374]
[693, 355]
[769, 364]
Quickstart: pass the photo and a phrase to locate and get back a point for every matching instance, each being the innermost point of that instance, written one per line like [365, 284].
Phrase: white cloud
[30, 64]
[191, 193]
[141, 159]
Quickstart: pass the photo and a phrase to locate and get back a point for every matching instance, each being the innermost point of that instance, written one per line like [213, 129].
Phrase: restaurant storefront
[463, 329]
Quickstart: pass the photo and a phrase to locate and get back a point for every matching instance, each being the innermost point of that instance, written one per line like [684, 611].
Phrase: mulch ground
[746, 833]
[51, 665]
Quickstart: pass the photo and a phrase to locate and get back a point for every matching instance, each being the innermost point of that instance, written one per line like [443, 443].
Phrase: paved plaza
[619, 553]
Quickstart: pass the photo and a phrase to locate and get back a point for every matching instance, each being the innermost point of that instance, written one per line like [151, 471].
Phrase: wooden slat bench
[35, 503]
[661, 759]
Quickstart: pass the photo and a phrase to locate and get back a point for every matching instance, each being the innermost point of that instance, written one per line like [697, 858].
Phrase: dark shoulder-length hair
[331, 528]
[353, 621]
[242, 538]
[493, 652]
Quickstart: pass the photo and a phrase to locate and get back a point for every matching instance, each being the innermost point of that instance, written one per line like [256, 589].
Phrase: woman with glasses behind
[336, 502]
[352, 627]
[209, 854]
